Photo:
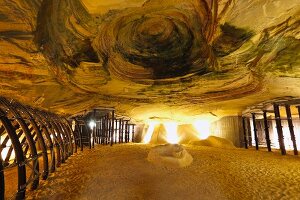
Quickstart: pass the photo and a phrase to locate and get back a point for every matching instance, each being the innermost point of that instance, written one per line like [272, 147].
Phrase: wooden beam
[51, 147]
[97, 132]
[18, 153]
[103, 129]
[116, 130]
[58, 138]
[267, 133]
[245, 133]
[298, 111]
[81, 136]
[121, 131]
[71, 133]
[126, 131]
[249, 132]
[2, 182]
[255, 130]
[291, 127]
[107, 129]
[132, 136]
[112, 127]
[279, 129]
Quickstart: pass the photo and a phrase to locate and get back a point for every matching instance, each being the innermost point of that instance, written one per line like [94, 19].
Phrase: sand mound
[213, 141]
[170, 155]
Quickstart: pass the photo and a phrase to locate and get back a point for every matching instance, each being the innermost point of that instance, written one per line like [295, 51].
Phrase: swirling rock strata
[156, 42]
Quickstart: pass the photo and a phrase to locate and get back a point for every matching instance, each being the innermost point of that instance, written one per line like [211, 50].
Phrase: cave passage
[97, 154]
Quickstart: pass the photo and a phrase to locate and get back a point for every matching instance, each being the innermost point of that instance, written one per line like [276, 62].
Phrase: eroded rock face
[149, 58]
[154, 42]
[170, 155]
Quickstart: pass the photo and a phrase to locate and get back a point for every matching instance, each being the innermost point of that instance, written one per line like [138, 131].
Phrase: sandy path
[122, 172]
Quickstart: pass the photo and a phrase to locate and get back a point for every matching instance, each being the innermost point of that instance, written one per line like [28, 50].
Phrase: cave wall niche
[229, 128]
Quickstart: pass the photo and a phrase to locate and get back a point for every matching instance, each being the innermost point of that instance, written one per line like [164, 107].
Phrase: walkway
[122, 172]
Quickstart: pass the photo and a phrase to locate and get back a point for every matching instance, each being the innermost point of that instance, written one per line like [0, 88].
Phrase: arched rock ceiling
[149, 59]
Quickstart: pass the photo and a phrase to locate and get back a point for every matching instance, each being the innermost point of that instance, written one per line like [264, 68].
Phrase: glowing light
[4, 153]
[148, 134]
[130, 133]
[274, 136]
[92, 124]
[8, 144]
[287, 138]
[203, 128]
[172, 136]
[73, 125]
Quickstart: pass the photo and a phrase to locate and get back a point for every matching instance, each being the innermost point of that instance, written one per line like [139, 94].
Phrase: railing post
[29, 139]
[132, 136]
[70, 133]
[279, 129]
[66, 136]
[18, 153]
[2, 186]
[107, 129]
[121, 131]
[245, 133]
[93, 136]
[60, 140]
[41, 141]
[51, 147]
[255, 130]
[112, 128]
[100, 130]
[116, 130]
[103, 130]
[291, 127]
[81, 137]
[94, 129]
[267, 133]
[2, 182]
[126, 131]
[86, 126]
[249, 131]
[97, 132]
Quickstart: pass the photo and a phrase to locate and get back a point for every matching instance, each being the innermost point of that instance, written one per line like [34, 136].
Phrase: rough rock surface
[170, 155]
[149, 58]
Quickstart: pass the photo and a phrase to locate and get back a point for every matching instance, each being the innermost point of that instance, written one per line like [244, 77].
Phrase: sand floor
[122, 172]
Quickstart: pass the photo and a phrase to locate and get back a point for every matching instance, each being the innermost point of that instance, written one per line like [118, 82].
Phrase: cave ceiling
[149, 59]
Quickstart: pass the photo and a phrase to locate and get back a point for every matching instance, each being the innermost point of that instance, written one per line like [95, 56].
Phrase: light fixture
[92, 124]
[148, 134]
[203, 128]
